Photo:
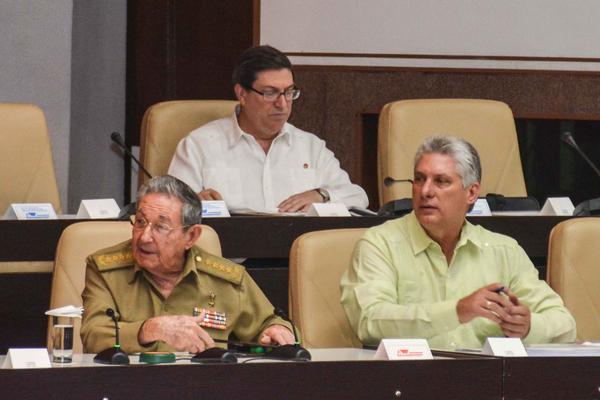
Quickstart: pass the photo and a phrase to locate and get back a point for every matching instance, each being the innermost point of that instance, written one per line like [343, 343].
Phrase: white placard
[214, 208]
[26, 358]
[558, 206]
[504, 347]
[98, 209]
[66, 311]
[328, 210]
[30, 211]
[480, 209]
[403, 349]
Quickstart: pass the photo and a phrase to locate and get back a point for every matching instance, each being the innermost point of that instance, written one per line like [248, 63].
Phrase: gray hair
[462, 152]
[191, 209]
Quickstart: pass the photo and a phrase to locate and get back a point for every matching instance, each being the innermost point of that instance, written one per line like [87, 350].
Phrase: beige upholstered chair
[26, 168]
[317, 262]
[165, 124]
[574, 272]
[82, 239]
[488, 125]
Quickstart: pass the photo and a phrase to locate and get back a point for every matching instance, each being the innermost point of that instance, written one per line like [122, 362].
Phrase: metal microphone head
[116, 137]
[568, 139]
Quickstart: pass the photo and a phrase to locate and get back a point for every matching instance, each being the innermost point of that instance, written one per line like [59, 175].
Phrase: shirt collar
[420, 240]
[236, 134]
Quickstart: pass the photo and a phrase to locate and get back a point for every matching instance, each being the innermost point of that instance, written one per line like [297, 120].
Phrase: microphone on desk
[398, 207]
[113, 355]
[389, 181]
[587, 207]
[130, 208]
[289, 351]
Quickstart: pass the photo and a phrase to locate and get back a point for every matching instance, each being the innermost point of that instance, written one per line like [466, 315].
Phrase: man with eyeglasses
[434, 275]
[171, 295]
[255, 159]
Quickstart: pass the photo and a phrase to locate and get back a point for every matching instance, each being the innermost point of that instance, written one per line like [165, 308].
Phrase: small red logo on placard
[408, 353]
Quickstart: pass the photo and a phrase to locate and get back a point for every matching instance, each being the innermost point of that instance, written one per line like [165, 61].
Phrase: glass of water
[62, 339]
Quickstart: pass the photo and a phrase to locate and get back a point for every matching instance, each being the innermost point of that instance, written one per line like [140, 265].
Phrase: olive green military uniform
[113, 280]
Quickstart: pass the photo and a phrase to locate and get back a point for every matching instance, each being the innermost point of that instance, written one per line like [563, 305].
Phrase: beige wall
[511, 28]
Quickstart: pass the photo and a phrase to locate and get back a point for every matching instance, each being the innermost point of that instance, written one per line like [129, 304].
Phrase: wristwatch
[324, 194]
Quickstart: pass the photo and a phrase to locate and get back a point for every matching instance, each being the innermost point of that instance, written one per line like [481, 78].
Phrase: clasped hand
[184, 333]
[502, 307]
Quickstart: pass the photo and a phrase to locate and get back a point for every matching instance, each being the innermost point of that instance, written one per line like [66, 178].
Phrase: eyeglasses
[157, 228]
[270, 95]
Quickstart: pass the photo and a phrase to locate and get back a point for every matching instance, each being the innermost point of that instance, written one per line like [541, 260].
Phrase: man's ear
[240, 93]
[473, 192]
[192, 235]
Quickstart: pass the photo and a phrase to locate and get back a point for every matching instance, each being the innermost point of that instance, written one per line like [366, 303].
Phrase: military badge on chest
[210, 317]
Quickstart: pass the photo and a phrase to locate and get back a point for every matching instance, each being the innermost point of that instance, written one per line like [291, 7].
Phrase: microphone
[130, 208]
[289, 351]
[113, 355]
[389, 181]
[567, 137]
[587, 207]
[116, 138]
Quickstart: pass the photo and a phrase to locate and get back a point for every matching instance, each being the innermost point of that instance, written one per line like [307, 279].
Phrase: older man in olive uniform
[156, 281]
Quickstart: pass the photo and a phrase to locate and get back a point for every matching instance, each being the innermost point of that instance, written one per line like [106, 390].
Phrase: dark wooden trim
[255, 22]
[447, 70]
[261, 237]
[522, 115]
[446, 57]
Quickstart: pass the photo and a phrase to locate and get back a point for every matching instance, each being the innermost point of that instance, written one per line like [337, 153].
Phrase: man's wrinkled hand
[181, 332]
[276, 334]
[210, 194]
[300, 201]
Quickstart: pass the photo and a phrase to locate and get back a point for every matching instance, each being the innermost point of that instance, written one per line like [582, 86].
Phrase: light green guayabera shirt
[400, 286]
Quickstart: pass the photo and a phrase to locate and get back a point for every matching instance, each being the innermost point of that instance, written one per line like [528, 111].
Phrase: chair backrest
[165, 124]
[26, 157]
[82, 239]
[488, 125]
[574, 272]
[317, 262]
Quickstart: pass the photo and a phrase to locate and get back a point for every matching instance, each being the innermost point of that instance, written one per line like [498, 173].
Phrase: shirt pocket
[303, 180]
[227, 181]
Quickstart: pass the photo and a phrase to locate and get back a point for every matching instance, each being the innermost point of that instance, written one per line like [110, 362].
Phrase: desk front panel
[435, 379]
[261, 237]
[549, 378]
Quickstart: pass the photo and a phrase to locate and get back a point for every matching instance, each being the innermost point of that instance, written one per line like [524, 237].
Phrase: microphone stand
[587, 207]
[130, 208]
[113, 355]
[289, 351]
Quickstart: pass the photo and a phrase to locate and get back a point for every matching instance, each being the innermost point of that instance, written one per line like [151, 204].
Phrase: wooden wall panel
[182, 49]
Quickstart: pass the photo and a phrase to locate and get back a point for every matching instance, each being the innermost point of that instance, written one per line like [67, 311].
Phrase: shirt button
[198, 258]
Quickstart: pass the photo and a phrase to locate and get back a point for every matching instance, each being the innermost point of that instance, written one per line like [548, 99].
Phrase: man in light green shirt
[433, 275]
